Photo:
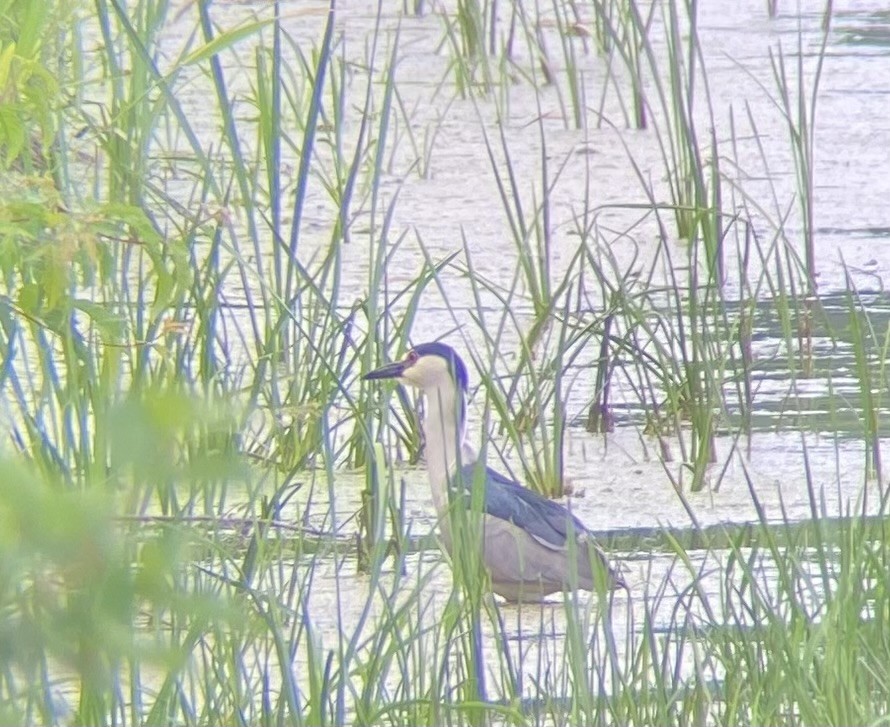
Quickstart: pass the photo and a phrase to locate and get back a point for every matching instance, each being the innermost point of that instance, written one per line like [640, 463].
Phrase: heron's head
[429, 366]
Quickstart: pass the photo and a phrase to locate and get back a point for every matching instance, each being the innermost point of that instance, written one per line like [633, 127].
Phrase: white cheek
[412, 377]
[426, 373]
[416, 378]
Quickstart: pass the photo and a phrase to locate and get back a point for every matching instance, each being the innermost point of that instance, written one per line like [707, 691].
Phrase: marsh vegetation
[649, 227]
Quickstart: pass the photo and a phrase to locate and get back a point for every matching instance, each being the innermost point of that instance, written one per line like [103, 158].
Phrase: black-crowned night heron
[529, 542]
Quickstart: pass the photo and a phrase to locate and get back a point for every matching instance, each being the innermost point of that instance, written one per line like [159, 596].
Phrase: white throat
[444, 432]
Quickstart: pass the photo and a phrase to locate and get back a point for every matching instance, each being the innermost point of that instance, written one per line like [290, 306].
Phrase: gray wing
[547, 521]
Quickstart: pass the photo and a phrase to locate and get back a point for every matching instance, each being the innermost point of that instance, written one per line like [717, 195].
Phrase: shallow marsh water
[621, 479]
[447, 194]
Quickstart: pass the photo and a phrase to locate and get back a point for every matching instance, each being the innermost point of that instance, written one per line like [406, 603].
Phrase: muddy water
[447, 193]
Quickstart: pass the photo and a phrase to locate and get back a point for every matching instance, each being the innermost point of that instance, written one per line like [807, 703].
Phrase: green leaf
[12, 133]
[221, 42]
[135, 218]
[29, 300]
[32, 25]
[6, 56]
[110, 324]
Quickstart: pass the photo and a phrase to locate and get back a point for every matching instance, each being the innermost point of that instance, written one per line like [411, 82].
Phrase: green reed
[869, 354]
[465, 34]
[797, 105]
[622, 30]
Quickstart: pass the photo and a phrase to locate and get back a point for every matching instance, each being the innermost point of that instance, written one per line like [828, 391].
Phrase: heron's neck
[444, 429]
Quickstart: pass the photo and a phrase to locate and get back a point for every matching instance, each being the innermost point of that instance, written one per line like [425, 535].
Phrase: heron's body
[531, 546]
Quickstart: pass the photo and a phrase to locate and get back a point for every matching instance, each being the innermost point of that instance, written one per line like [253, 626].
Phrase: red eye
[412, 357]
